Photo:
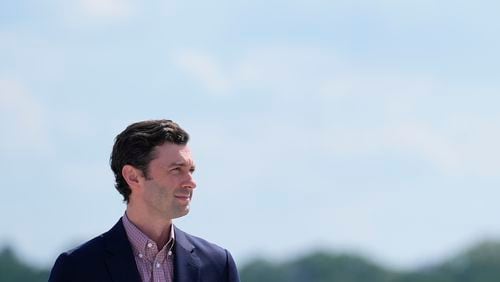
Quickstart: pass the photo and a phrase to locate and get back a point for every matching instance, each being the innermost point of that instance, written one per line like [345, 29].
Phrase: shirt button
[150, 245]
[169, 253]
[158, 265]
[141, 255]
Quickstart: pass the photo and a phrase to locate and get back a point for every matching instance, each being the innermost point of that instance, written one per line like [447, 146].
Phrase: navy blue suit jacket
[109, 257]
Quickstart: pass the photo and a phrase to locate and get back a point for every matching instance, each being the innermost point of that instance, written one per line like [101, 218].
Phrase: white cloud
[22, 119]
[281, 70]
[389, 85]
[287, 69]
[410, 141]
[204, 69]
[477, 144]
[107, 8]
[290, 71]
[465, 150]
[366, 109]
[97, 12]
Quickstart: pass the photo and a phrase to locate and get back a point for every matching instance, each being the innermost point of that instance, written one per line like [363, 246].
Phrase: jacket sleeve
[60, 268]
[232, 270]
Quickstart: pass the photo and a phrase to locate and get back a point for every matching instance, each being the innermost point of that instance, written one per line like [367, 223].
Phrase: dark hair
[136, 145]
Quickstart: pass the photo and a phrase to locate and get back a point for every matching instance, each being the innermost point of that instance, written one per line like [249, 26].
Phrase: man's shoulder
[86, 262]
[89, 248]
[215, 259]
[94, 247]
[197, 242]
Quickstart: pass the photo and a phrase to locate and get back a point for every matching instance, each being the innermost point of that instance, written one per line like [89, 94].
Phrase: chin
[181, 213]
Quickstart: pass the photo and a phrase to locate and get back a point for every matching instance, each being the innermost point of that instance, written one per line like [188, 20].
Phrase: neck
[157, 229]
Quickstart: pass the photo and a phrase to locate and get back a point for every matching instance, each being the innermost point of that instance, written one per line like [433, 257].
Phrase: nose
[190, 182]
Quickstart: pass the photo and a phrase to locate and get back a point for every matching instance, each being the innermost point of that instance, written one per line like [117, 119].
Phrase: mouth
[183, 198]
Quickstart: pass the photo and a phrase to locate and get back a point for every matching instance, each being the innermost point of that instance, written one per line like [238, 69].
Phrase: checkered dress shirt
[154, 265]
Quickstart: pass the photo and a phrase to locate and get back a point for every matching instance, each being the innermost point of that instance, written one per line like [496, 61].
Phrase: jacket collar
[119, 257]
[186, 262]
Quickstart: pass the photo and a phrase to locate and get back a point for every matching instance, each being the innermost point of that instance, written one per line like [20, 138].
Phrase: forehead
[168, 154]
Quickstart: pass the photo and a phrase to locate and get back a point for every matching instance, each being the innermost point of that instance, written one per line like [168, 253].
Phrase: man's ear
[132, 176]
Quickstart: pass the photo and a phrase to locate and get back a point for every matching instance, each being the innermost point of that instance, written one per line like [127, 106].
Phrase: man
[153, 171]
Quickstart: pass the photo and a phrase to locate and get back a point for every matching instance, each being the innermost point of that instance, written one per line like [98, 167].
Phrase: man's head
[136, 146]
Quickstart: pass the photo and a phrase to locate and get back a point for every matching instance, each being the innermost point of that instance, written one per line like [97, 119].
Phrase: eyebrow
[180, 163]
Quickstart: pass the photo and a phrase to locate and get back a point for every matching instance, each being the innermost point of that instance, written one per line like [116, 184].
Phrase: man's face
[169, 184]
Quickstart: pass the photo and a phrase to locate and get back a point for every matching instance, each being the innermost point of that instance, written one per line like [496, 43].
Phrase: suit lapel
[186, 263]
[119, 257]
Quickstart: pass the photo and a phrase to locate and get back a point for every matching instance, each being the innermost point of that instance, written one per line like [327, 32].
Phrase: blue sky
[349, 125]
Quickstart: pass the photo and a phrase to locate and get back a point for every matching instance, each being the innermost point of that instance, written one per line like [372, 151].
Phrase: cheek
[171, 182]
[167, 185]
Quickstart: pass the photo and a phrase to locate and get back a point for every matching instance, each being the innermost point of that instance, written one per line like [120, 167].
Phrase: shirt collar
[141, 243]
